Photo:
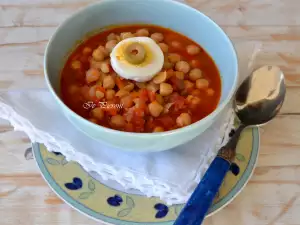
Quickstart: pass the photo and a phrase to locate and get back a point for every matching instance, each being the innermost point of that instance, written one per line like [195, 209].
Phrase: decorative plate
[100, 202]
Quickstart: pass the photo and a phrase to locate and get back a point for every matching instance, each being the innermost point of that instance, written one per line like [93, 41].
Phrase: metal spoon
[257, 101]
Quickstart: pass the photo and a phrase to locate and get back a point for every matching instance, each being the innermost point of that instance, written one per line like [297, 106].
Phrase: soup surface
[187, 89]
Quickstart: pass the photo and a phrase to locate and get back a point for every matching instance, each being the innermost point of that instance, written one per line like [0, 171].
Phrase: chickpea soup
[178, 86]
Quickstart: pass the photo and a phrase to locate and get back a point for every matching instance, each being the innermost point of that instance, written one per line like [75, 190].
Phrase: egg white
[143, 72]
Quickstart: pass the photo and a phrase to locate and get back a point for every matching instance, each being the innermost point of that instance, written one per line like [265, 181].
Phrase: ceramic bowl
[166, 13]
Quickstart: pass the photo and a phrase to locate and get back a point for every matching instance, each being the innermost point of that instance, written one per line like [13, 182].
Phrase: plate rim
[232, 194]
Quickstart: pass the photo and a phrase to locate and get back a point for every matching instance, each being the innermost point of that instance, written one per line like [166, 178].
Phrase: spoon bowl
[260, 97]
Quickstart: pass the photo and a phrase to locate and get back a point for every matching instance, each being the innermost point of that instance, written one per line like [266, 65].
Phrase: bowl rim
[188, 128]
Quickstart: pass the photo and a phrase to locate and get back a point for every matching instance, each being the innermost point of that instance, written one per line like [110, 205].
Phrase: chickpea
[202, 83]
[179, 75]
[92, 75]
[158, 129]
[182, 66]
[155, 109]
[140, 85]
[110, 45]
[99, 94]
[157, 37]
[95, 65]
[168, 65]
[160, 99]
[193, 100]
[111, 36]
[87, 51]
[76, 65]
[108, 82]
[165, 89]
[99, 82]
[188, 84]
[104, 50]
[110, 94]
[196, 101]
[121, 93]
[129, 87]
[138, 102]
[164, 47]
[170, 73]
[127, 101]
[152, 87]
[167, 107]
[117, 121]
[142, 33]
[174, 57]
[210, 92]
[195, 63]
[193, 49]
[118, 38]
[176, 44]
[126, 35]
[160, 77]
[98, 113]
[196, 92]
[104, 67]
[195, 74]
[189, 98]
[98, 55]
[183, 120]
[92, 91]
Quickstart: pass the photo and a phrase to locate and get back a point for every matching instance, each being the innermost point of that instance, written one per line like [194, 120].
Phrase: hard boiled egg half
[137, 58]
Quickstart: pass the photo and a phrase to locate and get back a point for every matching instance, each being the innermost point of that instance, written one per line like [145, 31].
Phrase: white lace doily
[169, 175]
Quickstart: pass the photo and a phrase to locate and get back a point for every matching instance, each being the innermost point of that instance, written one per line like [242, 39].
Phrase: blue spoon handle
[199, 203]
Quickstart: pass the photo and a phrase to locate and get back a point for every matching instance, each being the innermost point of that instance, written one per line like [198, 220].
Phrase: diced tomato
[177, 84]
[100, 88]
[173, 80]
[128, 115]
[173, 97]
[152, 96]
[111, 111]
[179, 103]
[166, 121]
[139, 112]
[139, 103]
[129, 127]
[144, 95]
[138, 123]
[149, 126]
[174, 86]
[120, 83]
[135, 94]
[85, 92]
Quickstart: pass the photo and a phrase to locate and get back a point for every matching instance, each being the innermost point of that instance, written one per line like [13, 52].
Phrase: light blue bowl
[166, 13]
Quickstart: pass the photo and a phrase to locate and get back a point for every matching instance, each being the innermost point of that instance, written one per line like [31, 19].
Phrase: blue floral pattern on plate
[115, 201]
[162, 210]
[75, 185]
